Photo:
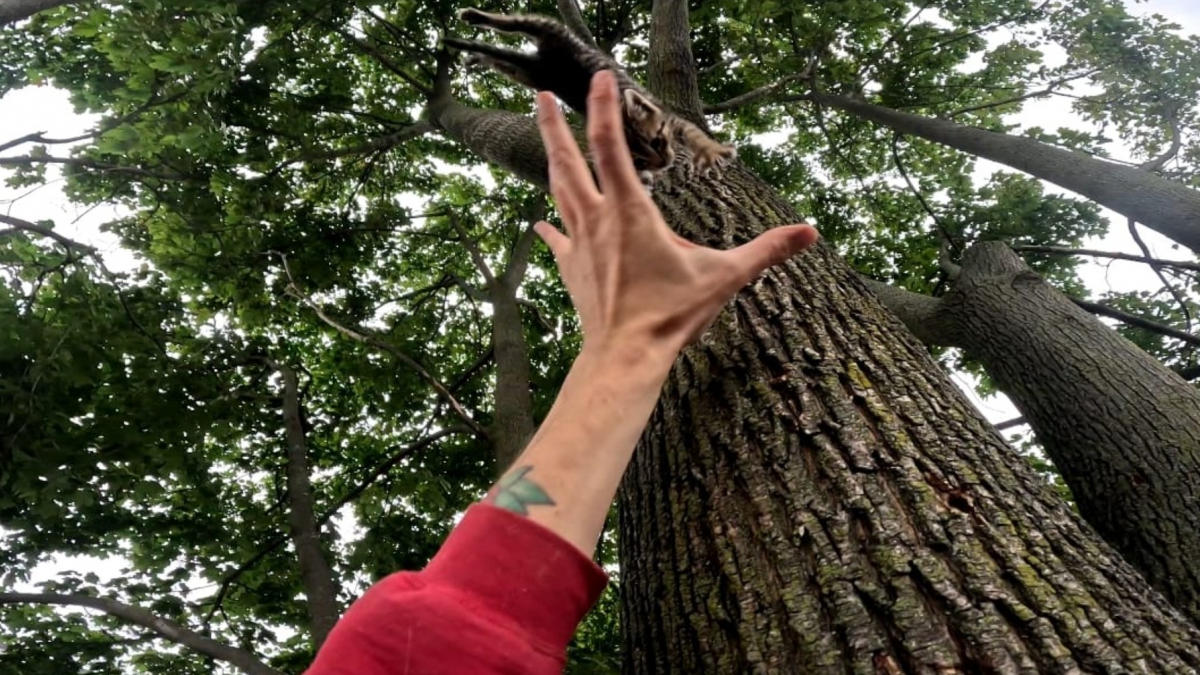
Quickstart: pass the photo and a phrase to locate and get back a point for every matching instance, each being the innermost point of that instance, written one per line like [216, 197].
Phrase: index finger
[570, 180]
[606, 138]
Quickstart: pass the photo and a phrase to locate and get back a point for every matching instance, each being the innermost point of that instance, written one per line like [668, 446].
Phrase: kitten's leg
[706, 153]
[512, 64]
[535, 26]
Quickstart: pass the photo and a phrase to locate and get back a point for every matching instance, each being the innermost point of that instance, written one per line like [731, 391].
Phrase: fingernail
[545, 105]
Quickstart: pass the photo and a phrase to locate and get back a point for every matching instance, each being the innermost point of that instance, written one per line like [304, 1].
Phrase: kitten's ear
[639, 108]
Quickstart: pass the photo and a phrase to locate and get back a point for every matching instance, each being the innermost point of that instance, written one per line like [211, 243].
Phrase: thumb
[769, 249]
[555, 240]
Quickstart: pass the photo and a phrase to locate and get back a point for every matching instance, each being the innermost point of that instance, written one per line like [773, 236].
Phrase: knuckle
[560, 158]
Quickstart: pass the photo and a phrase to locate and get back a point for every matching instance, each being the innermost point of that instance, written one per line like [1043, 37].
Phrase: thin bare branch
[1046, 91]
[759, 93]
[242, 660]
[472, 248]
[1159, 162]
[948, 238]
[1158, 271]
[380, 144]
[1008, 424]
[293, 289]
[386, 62]
[1064, 250]
[1133, 320]
[86, 164]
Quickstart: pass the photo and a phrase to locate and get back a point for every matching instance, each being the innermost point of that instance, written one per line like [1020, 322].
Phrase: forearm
[566, 478]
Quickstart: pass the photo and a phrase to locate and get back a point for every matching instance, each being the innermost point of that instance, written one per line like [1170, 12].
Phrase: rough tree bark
[317, 578]
[814, 495]
[670, 75]
[1170, 208]
[1123, 429]
[12, 11]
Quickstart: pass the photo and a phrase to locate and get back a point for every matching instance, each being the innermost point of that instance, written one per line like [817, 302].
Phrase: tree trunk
[317, 578]
[1123, 429]
[813, 495]
[514, 402]
[12, 11]
[1170, 208]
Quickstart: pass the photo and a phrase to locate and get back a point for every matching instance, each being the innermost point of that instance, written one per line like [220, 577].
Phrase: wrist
[648, 358]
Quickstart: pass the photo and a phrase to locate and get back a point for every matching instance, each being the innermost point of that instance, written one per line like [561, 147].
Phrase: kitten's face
[646, 133]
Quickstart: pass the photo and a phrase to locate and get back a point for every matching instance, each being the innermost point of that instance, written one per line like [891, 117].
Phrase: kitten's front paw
[472, 16]
[712, 155]
[647, 180]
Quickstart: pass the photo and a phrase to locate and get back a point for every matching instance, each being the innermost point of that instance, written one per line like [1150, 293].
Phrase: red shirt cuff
[520, 569]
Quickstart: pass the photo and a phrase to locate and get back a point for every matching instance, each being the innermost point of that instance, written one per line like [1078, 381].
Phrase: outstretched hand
[634, 282]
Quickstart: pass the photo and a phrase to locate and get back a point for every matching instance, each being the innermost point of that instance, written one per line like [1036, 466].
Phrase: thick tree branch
[294, 290]
[242, 660]
[1133, 320]
[506, 139]
[1165, 206]
[1064, 250]
[922, 314]
[320, 589]
[672, 68]
[12, 11]
[573, 18]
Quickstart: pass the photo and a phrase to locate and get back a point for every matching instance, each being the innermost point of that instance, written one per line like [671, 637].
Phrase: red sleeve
[503, 595]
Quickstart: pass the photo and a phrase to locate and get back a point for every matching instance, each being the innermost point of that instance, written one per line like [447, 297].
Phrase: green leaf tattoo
[515, 492]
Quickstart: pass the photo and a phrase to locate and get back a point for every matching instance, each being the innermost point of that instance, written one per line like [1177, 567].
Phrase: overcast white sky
[48, 110]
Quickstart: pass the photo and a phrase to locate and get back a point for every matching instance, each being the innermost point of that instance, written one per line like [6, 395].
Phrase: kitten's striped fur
[564, 64]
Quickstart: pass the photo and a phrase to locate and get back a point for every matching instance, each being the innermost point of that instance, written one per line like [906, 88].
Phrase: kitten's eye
[657, 143]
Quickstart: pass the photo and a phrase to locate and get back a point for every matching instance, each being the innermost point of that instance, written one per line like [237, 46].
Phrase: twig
[1133, 320]
[293, 289]
[946, 235]
[1158, 271]
[1064, 250]
[26, 226]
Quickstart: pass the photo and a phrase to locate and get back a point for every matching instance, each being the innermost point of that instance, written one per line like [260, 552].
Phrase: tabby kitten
[564, 64]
